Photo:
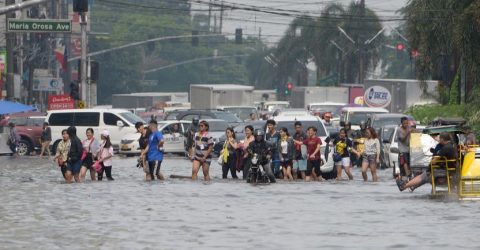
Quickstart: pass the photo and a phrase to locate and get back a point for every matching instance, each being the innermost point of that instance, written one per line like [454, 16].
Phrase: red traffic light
[289, 86]
[400, 46]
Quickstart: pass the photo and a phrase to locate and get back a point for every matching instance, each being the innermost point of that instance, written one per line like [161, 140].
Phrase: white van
[355, 115]
[117, 121]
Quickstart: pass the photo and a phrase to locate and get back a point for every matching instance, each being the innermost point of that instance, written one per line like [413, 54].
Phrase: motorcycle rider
[262, 148]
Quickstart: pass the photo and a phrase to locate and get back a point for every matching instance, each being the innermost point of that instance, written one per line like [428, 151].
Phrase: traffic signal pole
[83, 59]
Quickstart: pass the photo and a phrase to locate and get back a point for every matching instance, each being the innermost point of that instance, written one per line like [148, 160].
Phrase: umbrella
[7, 107]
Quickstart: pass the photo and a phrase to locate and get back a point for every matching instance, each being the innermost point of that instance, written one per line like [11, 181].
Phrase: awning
[7, 107]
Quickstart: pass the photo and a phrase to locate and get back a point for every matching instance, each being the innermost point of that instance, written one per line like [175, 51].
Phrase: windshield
[356, 118]
[273, 107]
[131, 118]
[227, 116]
[386, 121]
[216, 126]
[326, 108]
[242, 113]
[290, 125]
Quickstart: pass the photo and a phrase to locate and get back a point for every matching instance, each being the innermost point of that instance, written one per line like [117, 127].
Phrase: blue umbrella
[7, 107]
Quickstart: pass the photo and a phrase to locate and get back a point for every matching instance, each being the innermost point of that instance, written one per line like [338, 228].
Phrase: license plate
[125, 147]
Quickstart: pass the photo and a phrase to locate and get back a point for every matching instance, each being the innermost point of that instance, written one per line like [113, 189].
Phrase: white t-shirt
[284, 145]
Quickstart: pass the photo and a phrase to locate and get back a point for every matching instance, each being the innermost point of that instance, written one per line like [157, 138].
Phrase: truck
[405, 93]
[212, 96]
[302, 96]
[148, 100]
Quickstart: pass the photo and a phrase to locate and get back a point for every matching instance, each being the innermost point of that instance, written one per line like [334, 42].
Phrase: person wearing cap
[154, 151]
[104, 156]
[203, 152]
[45, 140]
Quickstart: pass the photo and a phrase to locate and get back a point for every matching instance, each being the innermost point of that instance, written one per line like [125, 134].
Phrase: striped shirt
[202, 143]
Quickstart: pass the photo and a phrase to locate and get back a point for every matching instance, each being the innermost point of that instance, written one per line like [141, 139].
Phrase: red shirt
[312, 146]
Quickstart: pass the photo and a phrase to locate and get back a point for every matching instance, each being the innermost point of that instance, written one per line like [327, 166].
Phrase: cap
[105, 133]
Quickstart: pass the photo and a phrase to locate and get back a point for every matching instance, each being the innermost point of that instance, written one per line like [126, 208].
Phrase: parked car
[117, 121]
[173, 135]
[378, 121]
[30, 130]
[385, 136]
[188, 115]
[242, 112]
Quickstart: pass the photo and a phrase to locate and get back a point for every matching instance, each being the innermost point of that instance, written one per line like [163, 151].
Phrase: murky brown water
[37, 211]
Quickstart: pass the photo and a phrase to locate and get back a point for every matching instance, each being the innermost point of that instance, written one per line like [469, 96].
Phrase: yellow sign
[81, 104]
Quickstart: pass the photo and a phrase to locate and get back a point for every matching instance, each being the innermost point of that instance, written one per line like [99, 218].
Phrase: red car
[30, 130]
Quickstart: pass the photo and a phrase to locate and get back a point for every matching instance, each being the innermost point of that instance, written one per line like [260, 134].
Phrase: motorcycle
[257, 173]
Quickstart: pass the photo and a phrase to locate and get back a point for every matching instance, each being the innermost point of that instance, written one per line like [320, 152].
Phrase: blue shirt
[154, 154]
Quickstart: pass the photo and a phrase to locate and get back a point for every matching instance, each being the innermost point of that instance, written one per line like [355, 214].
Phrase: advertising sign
[45, 83]
[377, 97]
[57, 102]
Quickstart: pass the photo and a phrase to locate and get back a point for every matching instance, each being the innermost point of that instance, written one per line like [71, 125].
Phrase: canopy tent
[7, 107]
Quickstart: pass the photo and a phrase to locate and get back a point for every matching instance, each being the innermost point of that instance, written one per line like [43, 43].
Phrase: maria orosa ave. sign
[377, 97]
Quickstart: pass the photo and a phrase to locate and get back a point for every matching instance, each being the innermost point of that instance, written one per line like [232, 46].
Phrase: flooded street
[38, 211]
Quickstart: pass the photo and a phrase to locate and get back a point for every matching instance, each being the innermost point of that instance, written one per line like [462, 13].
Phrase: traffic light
[400, 48]
[74, 91]
[195, 38]
[289, 88]
[238, 36]
[80, 6]
[94, 71]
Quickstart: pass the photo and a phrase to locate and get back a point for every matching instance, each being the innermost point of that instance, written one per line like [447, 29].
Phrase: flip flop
[401, 184]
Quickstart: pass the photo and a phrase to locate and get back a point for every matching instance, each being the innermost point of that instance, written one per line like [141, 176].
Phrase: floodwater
[38, 211]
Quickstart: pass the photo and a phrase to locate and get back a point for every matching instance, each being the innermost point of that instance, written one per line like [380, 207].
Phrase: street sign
[56, 102]
[81, 104]
[39, 25]
[377, 97]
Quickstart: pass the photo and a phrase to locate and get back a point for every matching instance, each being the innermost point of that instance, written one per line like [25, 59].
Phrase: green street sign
[39, 25]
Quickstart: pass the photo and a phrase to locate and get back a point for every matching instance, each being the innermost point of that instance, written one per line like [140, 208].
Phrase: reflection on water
[38, 211]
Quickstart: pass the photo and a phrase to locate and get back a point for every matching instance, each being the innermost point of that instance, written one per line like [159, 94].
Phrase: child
[104, 156]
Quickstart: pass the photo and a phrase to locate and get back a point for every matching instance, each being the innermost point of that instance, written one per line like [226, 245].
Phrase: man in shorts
[299, 163]
[448, 151]
[313, 143]
[154, 152]
[403, 138]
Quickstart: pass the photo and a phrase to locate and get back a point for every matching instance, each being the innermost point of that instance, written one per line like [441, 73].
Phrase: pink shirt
[104, 153]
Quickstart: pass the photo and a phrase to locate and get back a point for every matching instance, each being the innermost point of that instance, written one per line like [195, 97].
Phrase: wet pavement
[39, 211]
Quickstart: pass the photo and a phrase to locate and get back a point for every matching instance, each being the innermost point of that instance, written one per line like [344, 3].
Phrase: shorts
[88, 162]
[426, 178]
[74, 167]
[404, 158]
[313, 165]
[286, 163]
[345, 162]
[301, 165]
[370, 159]
[151, 167]
[208, 161]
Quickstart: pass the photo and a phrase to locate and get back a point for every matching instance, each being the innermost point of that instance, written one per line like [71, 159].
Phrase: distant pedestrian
[327, 119]
[143, 143]
[273, 137]
[229, 155]
[45, 140]
[203, 152]
[313, 143]
[403, 138]
[75, 153]
[286, 148]
[190, 137]
[246, 142]
[13, 139]
[341, 157]
[90, 147]
[104, 156]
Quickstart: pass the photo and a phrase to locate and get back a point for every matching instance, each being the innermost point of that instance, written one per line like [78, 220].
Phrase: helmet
[259, 135]
[363, 125]
[195, 121]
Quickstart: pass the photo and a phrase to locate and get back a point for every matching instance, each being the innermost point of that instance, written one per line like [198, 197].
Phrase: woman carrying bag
[228, 155]
[104, 156]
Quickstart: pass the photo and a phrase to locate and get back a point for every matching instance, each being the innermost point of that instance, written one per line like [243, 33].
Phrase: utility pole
[209, 15]
[361, 52]
[66, 40]
[10, 43]
[83, 59]
[221, 17]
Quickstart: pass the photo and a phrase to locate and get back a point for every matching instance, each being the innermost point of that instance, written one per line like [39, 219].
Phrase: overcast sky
[272, 27]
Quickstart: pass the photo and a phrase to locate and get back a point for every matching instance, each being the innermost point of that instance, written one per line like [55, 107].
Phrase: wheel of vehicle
[23, 148]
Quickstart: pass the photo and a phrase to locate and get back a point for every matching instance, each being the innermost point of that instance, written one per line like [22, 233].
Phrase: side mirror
[120, 124]
[342, 124]
[394, 151]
